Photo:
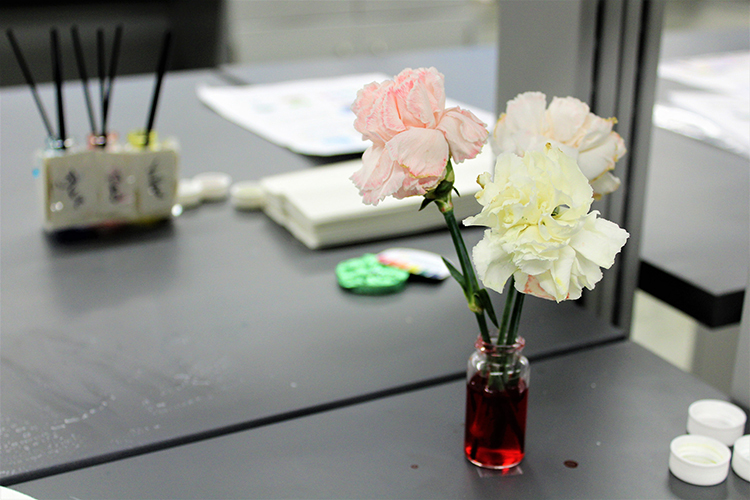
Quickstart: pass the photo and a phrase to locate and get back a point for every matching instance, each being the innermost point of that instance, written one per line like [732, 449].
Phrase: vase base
[503, 466]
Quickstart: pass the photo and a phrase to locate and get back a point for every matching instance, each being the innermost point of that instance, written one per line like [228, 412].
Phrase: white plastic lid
[247, 195]
[717, 419]
[189, 193]
[9, 494]
[741, 457]
[215, 185]
[699, 460]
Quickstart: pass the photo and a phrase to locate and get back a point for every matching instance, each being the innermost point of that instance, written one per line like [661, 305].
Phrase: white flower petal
[530, 285]
[567, 124]
[526, 111]
[565, 116]
[540, 229]
[493, 264]
[605, 184]
[586, 273]
[596, 161]
[599, 240]
[560, 272]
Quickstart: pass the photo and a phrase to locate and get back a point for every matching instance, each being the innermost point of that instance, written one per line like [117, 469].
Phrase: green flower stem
[511, 315]
[515, 320]
[508, 332]
[507, 311]
[472, 285]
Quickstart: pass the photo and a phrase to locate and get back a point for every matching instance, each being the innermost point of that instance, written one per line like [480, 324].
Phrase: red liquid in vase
[495, 424]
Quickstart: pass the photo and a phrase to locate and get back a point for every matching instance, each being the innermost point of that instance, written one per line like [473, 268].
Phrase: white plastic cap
[9, 494]
[189, 193]
[215, 185]
[741, 457]
[699, 460]
[717, 419]
[247, 195]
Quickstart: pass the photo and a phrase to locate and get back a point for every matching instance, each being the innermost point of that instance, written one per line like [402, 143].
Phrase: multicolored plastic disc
[366, 275]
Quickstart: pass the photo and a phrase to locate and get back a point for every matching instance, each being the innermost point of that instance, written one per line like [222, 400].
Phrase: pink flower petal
[465, 133]
[420, 96]
[422, 152]
[409, 154]
[363, 105]
[377, 178]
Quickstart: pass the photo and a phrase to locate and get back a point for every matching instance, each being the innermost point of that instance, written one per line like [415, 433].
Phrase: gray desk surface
[218, 322]
[613, 410]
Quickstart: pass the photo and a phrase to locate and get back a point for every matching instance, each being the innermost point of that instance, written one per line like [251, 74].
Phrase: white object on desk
[718, 419]
[322, 207]
[87, 188]
[699, 460]
[156, 177]
[118, 190]
[311, 117]
[70, 187]
[741, 457]
[189, 193]
[247, 195]
[8, 494]
[214, 185]
[419, 262]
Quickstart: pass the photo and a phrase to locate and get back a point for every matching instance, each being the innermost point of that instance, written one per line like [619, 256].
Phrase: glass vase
[497, 393]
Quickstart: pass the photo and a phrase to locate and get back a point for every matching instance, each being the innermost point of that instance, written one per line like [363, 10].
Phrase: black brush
[100, 66]
[161, 69]
[84, 77]
[111, 77]
[29, 81]
[57, 72]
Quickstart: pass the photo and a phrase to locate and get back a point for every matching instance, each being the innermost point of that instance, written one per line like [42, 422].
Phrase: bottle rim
[490, 348]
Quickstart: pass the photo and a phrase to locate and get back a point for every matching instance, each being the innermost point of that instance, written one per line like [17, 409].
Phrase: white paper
[726, 73]
[713, 118]
[718, 110]
[311, 117]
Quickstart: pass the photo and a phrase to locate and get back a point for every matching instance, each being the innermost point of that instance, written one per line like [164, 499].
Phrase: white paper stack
[322, 207]
[717, 109]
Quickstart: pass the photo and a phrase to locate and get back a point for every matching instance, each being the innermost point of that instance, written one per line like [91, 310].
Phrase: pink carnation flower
[412, 135]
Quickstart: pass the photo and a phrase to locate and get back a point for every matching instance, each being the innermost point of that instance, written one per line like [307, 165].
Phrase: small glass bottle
[497, 393]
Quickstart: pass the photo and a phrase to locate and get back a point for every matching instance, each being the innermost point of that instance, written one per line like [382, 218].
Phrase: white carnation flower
[528, 125]
[540, 228]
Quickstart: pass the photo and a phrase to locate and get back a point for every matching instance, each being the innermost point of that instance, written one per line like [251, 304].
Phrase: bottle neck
[500, 350]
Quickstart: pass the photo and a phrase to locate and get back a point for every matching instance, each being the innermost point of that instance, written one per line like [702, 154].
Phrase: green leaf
[442, 190]
[484, 299]
[426, 202]
[455, 273]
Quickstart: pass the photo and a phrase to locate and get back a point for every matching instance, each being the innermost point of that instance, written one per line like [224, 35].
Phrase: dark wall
[198, 38]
